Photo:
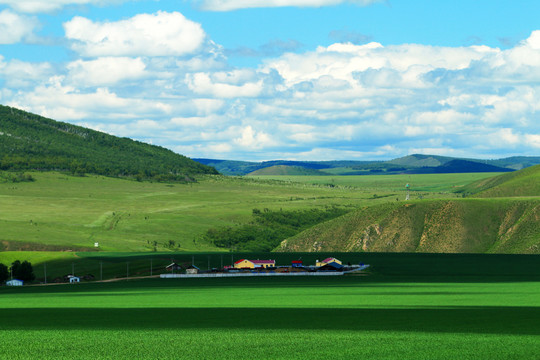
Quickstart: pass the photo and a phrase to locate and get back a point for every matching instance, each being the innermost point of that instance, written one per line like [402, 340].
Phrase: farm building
[14, 282]
[331, 266]
[297, 263]
[328, 261]
[192, 269]
[74, 279]
[173, 267]
[254, 264]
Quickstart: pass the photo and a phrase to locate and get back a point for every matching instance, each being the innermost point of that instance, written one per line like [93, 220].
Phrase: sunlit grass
[281, 318]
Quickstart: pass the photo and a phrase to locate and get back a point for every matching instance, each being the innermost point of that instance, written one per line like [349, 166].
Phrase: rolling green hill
[521, 183]
[32, 142]
[435, 226]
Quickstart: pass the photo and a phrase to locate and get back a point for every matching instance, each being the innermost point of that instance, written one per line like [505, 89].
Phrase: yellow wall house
[252, 264]
[328, 261]
[244, 264]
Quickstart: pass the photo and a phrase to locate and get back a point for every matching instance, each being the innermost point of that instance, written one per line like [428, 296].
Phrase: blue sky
[283, 79]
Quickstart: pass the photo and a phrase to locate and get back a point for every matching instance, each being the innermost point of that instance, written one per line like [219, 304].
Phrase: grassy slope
[492, 224]
[525, 182]
[63, 212]
[448, 226]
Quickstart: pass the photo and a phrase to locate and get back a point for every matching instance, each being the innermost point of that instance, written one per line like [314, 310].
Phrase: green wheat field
[279, 318]
[407, 306]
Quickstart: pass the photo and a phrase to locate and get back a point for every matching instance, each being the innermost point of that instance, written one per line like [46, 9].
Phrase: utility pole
[45, 271]
[150, 267]
[101, 270]
[127, 269]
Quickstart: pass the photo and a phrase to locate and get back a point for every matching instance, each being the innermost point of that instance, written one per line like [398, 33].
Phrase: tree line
[18, 270]
[268, 228]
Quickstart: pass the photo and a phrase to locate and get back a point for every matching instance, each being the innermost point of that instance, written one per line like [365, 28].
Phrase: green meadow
[58, 212]
[349, 317]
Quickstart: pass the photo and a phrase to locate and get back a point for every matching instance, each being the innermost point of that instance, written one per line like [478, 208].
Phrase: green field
[59, 212]
[347, 317]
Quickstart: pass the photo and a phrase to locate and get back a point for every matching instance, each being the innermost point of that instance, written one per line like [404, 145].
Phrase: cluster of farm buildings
[247, 265]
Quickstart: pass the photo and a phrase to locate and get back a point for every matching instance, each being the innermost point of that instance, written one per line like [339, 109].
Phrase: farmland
[385, 315]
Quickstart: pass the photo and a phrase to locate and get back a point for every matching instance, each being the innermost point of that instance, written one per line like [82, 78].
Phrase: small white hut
[14, 282]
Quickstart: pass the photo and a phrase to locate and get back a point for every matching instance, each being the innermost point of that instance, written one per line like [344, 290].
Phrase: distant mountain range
[411, 164]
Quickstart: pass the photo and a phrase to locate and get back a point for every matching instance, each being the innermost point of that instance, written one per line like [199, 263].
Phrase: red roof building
[252, 264]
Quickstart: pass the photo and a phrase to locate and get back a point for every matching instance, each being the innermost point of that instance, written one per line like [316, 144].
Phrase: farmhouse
[254, 264]
[192, 269]
[14, 282]
[173, 267]
[331, 266]
[328, 261]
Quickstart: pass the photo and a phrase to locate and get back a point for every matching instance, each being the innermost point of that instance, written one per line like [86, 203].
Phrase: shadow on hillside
[489, 320]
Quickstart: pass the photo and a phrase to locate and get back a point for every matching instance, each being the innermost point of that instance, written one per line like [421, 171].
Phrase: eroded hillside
[445, 226]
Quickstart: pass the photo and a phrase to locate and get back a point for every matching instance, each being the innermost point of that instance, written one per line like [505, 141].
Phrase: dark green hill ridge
[521, 183]
[410, 164]
[32, 142]
[286, 170]
[441, 226]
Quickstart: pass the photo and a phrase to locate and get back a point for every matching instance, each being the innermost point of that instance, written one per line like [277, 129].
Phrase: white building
[14, 282]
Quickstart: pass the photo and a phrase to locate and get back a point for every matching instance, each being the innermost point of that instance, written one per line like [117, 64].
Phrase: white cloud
[159, 34]
[335, 102]
[228, 5]
[252, 139]
[61, 102]
[105, 71]
[15, 28]
[21, 74]
[533, 140]
[224, 85]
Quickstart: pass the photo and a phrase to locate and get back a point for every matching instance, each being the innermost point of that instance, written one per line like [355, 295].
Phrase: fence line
[216, 275]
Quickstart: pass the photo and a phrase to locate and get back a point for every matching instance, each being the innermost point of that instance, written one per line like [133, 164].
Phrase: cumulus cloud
[105, 71]
[15, 28]
[252, 139]
[225, 84]
[20, 74]
[159, 78]
[159, 34]
[228, 5]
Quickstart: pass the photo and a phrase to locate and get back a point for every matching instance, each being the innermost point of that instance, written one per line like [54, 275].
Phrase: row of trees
[268, 228]
[18, 270]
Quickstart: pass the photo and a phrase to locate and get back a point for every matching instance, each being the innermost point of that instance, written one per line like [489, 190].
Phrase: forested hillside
[32, 142]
